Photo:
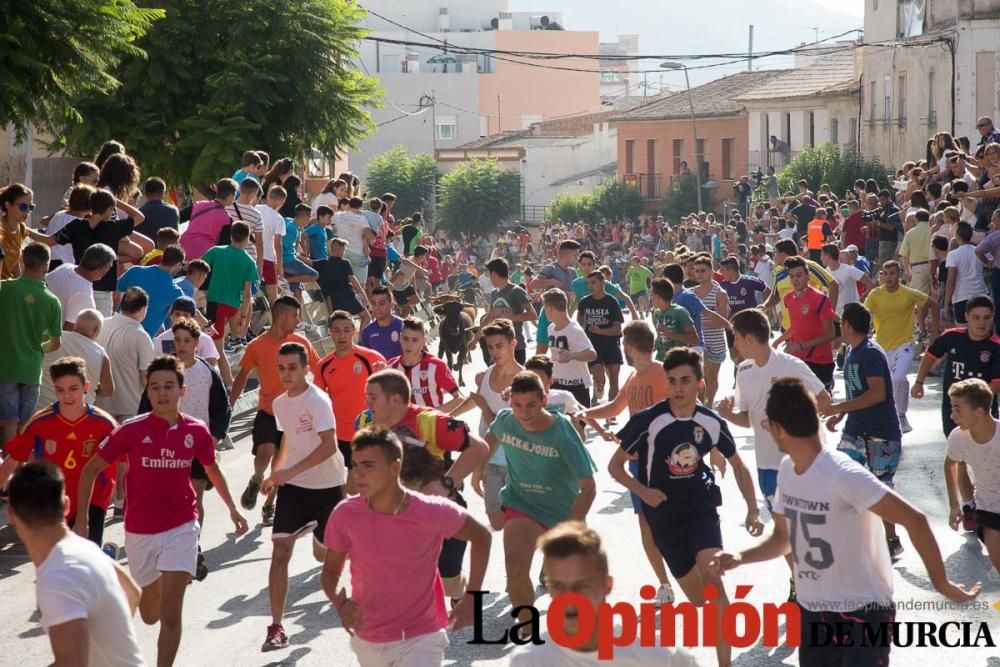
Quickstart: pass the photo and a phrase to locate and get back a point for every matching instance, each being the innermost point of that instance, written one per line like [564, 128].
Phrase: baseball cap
[184, 303]
[851, 248]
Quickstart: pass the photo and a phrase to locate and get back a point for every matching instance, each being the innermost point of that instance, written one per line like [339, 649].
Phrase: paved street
[226, 615]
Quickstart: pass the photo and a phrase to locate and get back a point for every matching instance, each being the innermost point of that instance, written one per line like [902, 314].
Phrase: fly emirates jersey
[69, 445]
[158, 476]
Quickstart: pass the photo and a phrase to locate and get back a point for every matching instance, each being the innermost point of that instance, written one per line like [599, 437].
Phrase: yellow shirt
[11, 242]
[818, 278]
[916, 244]
[894, 314]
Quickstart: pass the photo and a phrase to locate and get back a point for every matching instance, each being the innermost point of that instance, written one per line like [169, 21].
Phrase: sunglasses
[26, 208]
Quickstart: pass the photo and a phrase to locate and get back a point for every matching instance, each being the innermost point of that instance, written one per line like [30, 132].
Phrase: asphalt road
[227, 614]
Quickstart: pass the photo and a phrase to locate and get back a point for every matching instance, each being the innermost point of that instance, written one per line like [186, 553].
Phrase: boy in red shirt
[812, 323]
[66, 434]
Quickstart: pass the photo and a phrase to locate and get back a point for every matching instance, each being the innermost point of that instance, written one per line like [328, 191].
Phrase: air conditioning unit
[539, 22]
[490, 24]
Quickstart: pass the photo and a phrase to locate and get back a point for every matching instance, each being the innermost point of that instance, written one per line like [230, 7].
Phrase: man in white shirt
[85, 598]
[569, 347]
[309, 475]
[73, 284]
[838, 263]
[272, 229]
[827, 512]
[82, 343]
[132, 352]
[965, 274]
[352, 226]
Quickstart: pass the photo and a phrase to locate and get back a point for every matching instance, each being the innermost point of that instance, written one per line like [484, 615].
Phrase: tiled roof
[830, 75]
[495, 139]
[715, 98]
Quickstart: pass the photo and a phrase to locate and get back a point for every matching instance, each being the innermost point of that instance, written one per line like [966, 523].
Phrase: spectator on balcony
[782, 147]
[988, 134]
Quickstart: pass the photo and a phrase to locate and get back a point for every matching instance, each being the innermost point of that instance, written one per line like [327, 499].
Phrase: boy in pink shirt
[396, 612]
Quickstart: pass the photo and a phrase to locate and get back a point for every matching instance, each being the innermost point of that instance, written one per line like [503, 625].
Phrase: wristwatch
[449, 484]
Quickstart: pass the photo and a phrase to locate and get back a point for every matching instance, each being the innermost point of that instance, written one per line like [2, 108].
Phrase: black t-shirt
[158, 215]
[743, 191]
[334, 277]
[804, 214]
[967, 359]
[80, 236]
[603, 313]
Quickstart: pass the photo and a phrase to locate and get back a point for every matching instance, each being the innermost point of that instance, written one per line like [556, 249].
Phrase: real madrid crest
[189, 441]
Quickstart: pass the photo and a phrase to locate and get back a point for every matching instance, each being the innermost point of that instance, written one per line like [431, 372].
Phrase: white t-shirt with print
[753, 383]
[350, 227]
[271, 224]
[984, 461]
[840, 558]
[847, 278]
[572, 338]
[302, 418]
[76, 581]
[75, 293]
[564, 402]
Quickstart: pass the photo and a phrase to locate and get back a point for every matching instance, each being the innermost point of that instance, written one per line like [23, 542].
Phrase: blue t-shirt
[690, 301]
[384, 340]
[289, 240]
[160, 288]
[240, 175]
[863, 264]
[464, 278]
[672, 458]
[878, 421]
[543, 468]
[317, 235]
[185, 286]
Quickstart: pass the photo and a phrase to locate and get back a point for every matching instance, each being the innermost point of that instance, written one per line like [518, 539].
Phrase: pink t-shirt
[158, 476]
[207, 220]
[398, 588]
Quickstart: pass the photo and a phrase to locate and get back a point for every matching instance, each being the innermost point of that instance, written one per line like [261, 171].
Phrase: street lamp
[670, 64]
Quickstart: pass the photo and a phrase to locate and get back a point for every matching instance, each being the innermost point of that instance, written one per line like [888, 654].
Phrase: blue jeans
[17, 400]
[296, 267]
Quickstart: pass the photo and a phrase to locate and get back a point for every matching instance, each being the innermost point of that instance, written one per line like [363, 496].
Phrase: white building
[932, 66]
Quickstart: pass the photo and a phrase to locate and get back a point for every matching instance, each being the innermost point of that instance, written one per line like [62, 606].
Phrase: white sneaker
[665, 595]
[904, 424]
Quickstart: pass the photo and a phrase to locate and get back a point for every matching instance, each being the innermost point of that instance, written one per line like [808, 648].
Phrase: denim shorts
[296, 267]
[17, 401]
[879, 455]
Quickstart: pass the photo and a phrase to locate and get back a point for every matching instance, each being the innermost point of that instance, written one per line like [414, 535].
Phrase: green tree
[476, 197]
[614, 200]
[224, 76]
[572, 208]
[681, 199]
[825, 164]
[55, 51]
[410, 177]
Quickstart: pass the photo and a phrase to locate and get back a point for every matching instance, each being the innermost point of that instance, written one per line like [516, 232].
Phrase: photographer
[743, 190]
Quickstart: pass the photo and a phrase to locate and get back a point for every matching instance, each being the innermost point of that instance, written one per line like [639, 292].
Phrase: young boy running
[601, 318]
[570, 348]
[309, 476]
[430, 378]
[644, 388]
[673, 323]
[161, 517]
[672, 440]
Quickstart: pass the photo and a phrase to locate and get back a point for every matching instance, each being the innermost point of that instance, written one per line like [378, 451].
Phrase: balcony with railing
[764, 159]
[650, 185]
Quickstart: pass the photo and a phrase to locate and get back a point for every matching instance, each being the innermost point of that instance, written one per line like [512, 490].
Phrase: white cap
[851, 248]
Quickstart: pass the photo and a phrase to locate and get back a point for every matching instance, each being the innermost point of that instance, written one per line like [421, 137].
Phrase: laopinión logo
[742, 625]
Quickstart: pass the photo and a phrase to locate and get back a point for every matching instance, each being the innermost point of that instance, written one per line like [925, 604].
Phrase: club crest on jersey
[743, 291]
[683, 459]
[394, 336]
[188, 441]
[50, 446]
[804, 309]
[699, 434]
[88, 447]
[357, 368]
[984, 356]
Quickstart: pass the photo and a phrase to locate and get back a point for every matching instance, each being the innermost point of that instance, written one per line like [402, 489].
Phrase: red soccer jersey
[158, 477]
[807, 314]
[69, 445]
[429, 380]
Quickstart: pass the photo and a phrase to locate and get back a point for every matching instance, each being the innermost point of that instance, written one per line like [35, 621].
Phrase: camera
[757, 177]
[874, 214]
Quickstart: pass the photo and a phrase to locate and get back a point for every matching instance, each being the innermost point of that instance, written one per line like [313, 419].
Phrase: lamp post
[670, 64]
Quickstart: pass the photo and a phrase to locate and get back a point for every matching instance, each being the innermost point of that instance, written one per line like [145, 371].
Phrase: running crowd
[134, 333]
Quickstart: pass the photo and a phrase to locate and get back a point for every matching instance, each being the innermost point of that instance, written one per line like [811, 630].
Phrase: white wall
[880, 24]
[547, 164]
[422, 15]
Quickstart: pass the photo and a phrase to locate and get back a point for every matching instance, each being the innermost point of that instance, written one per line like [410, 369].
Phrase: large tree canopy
[475, 197]
[223, 76]
[52, 52]
[410, 177]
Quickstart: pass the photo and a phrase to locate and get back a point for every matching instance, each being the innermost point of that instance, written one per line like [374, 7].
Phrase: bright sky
[719, 26]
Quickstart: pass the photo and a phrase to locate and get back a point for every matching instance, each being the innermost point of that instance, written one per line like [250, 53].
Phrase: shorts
[95, 524]
[452, 549]
[580, 391]
[920, 277]
[357, 262]
[494, 479]
[849, 646]
[402, 297]
[17, 400]
[639, 295]
[296, 507]
[879, 455]
[767, 480]
[217, 314]
[715, 349]
[296, 268]
[984, 519]
[608, 354]
[824, 372]
[345, 301]
[426, 649]
[174, 550]
[198, 473]
[265, 431]
[345, 450]
[270, 273]
[509, 514]
[681, 540]
[376, 268]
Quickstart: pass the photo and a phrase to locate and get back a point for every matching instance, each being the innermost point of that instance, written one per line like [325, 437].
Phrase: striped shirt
[429, 380]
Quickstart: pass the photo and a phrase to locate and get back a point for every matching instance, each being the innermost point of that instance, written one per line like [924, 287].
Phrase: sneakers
[267, 514]
[201, 569]
[119, 511]
[276, 638]
[895, 547]
[904, 424]
[665, 594]
[110, 549]
[249, 498]
[969, 522]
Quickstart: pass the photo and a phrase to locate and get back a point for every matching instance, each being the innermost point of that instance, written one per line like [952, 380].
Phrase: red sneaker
[276, 638]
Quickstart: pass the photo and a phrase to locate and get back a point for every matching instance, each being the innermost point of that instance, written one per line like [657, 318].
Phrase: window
[931, 101]
[630, 156]
[871, 103]
[901, 101]
[835, 130]
[852, 130]
[652, 187]
[887, 101]
[812, 128]
[728, 146]
[700, 158]
[609, 77]
[678, 154]
[446, 128]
